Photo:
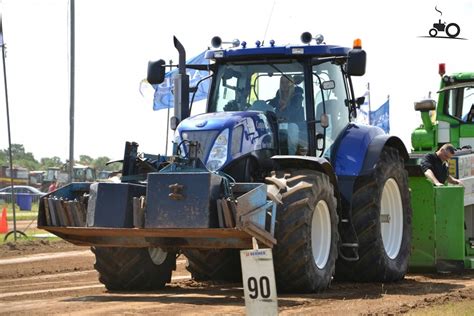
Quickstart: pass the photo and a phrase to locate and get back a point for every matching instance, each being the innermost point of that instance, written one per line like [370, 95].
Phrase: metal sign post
[8, 121]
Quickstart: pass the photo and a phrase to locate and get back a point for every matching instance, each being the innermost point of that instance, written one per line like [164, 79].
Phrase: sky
[115, 39]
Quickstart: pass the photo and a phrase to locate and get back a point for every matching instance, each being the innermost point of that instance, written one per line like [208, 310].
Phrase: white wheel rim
[321, 234]
[391, 218]
[157, 255]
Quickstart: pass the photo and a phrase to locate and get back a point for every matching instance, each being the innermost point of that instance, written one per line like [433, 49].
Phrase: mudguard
[357, 149]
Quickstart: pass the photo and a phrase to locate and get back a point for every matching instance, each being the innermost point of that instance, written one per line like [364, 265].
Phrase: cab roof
[278, 51]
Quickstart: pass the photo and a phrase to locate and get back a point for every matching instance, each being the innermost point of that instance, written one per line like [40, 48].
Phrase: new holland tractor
[443, 217]
[329, 196]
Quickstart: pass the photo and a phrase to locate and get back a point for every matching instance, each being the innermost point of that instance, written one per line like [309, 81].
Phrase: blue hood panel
[248, 131]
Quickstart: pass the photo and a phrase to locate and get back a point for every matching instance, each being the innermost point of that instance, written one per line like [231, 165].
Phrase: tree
[100, 163]
[51, 162]
[3, 158]
[85, 160]
[20, 157]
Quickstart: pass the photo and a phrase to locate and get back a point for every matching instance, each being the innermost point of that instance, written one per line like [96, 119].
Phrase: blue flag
[381, 117]
[363, 111]
[163, 97]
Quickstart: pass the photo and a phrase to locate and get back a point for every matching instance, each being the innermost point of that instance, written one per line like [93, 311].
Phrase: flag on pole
[381, 117]
[364, 110]
[163, 97]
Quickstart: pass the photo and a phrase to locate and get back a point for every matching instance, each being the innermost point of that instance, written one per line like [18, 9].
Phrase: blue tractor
[275, 159]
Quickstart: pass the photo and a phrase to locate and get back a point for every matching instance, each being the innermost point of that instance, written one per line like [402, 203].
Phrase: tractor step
[353, 248]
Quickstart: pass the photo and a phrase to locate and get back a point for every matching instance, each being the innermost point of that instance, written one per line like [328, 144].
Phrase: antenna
[268, 23]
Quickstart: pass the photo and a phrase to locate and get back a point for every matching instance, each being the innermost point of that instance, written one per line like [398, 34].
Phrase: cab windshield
[279, 87]
[459, 102]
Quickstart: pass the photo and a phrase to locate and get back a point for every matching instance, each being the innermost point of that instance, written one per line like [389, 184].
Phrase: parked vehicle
[19, 175]
[36, 178]
[5, 193]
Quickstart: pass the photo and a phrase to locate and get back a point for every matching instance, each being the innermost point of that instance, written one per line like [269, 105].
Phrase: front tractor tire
[306, 230]
[134, 269]
[381, 214]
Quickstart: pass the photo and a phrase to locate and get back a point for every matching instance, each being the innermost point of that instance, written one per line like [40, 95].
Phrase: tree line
[22, 158]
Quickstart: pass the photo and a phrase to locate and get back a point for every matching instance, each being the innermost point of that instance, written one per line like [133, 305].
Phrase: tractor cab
[454, 118]
[307, 114]
[268, 100]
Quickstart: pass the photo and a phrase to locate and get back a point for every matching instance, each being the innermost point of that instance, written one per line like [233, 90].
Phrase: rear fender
[356, 152]
[375, 149]
[357, 149]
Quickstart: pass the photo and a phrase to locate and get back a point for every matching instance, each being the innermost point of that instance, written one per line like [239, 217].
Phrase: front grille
[205, 140]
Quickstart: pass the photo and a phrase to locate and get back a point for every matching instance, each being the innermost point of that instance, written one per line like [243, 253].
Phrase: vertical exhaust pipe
[181, 85]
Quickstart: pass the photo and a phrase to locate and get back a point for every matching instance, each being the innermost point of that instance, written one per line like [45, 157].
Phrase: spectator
[436, 166]
[53, 186]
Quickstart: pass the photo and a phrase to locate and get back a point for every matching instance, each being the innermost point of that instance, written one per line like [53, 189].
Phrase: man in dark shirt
[288, 104]
[436, 167]
[288, 101]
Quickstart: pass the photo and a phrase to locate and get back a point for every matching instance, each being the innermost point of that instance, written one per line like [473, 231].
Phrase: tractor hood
[225, 136]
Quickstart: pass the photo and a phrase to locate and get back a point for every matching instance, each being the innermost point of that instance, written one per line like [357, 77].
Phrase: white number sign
[258, 279]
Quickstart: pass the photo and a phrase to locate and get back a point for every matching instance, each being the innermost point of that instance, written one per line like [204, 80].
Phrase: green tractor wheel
[381, 216]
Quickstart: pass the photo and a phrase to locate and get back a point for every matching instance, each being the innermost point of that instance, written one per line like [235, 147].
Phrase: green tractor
[443, 217]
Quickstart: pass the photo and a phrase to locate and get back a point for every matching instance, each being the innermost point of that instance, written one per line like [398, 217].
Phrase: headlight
[218, 154]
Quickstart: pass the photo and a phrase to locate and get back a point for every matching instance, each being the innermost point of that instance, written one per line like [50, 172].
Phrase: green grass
[20, 215]
[462, 308]
[30, 232]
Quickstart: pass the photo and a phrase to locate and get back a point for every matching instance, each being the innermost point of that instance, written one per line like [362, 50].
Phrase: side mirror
[156, 72]
[356, 62]
[360, 101]
[425, 105]
[174, 122]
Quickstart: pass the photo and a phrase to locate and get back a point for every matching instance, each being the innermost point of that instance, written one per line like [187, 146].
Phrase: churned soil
[41, 277]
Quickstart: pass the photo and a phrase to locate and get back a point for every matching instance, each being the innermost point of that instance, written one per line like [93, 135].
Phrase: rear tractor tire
[134, 269]
[381, 214]
[306, 230]
[214, 264]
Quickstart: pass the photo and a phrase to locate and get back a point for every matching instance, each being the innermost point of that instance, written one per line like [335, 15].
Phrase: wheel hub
[321, 234]
[391, 218]
[157, 255]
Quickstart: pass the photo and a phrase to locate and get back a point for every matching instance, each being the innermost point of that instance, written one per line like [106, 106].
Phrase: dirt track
[58, 278]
